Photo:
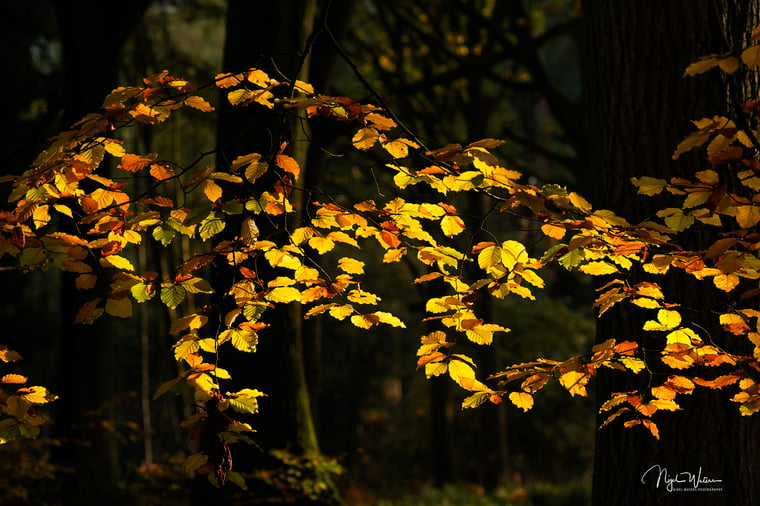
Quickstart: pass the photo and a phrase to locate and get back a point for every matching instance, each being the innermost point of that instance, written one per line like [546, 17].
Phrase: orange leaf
[136, 163]
[288, 164]
[161, 171]
[13, 378]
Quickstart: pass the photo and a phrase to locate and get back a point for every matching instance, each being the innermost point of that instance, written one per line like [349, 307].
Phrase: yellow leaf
[114, 148]
[365, 138]
[598, 268]
[726, 282]
[747, 216]
[36, 395]
[684, 336]
[118, 262]
[649, 185]
[394, 255]
[513, 253]
[365, 321]
[362, 297]
[341, 312]
[186, 346]
[666, 319]
[435, 369]
[389, 319]
[575, 382]
[452, 225]
[351, 265]
[305, 274]
[522, 400]
[461, 372]
[580, 202]
[321, 244]
[399, 148]
[283, 295]
[212, 190]
[489, 256]
[483, 334]
[554, 231]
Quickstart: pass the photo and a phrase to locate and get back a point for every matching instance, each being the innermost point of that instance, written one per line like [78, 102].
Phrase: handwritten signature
[678, 480]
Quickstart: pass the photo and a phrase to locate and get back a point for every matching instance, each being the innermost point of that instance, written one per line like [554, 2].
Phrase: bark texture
[639, 108]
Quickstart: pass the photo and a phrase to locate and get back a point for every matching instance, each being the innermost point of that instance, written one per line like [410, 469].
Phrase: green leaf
[172, 295]
[237, 479]
[475, 400]
[193, 462]
[164, 234]
[245, 401]
[211, 225]
[572, 258]
[140, 293]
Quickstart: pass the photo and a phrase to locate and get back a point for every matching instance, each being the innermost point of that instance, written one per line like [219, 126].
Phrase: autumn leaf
[747, 215]
[288, 164]
[598, 268]
[751, 56]
[574, 382]
[136, 163]
[351, 265]
[522, 400]
[365, 138]
[649, 186]
[667, 319]
[13, 379]
[199, 103]
[212, 190]
[121, 308]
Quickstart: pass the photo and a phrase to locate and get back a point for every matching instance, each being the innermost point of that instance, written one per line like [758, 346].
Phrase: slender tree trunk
[639, 107]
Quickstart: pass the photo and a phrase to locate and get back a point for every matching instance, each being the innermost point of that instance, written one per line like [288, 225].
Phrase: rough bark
[639, 108]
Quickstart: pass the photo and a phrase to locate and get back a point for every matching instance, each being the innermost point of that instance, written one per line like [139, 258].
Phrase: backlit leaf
[522, 400]
[13, 378]
[575, 382]
[667, 319]
[351, 265]
[599, 268]
[173, 295]
[365, 138]
[649, 185]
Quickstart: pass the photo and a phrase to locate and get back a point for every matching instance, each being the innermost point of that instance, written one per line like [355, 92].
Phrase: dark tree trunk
[92, 34]
[639, 108]
[271, 36]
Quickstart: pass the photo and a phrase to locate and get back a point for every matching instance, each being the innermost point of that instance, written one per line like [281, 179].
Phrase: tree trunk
[92, 34]
[639, 108]
[271, 36]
